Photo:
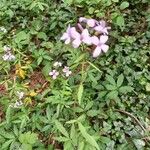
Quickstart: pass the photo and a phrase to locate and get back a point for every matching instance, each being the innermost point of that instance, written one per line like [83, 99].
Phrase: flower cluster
[54, 73]
[2, 29]
[89, 32]
[19, 102]
[8, 56]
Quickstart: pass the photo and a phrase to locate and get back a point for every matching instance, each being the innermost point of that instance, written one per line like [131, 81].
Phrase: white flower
[17, 104]
[8, 57]
[57, 64]
[20, 94]
[2, 29]
[6, 48]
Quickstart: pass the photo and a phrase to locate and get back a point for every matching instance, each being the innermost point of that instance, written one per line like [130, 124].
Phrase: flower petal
[87, 40]
[85, 33]
[73, 33]
[103, 39]
[64, 36]
[67, 41]
[76, 43]
[99, 28]
[81, 19]
[95, 40]
[97, 52]
[103, 23]
[104, 47]
[68, 28]
[91, 22]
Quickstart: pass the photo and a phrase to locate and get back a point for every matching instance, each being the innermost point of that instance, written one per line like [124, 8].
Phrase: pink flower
[67, 36]
[82, 19]
[67, 71]
[100, 45]
[101, 27]
[83, 37]
[80, 27]
[54, 74]
[90, 22]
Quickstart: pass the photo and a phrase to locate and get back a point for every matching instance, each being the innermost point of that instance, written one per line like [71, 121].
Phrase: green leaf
[115, 1]
[93, 113]
[8, 114]
[124, 5]
[61, 128]
[125, 89]
[147, 87]
[112, 95]
[80, 93]
[40, 59]
[61, 139]
[6, 144]
[28, 138]
[120, 80]
[91, 10]
[110, 87]
[88, 137]
[42, 35]
[81, 145]
[94, 66]
[81, 57]
[26, 147]
[139, 144]
[110, 80]
[120, 21]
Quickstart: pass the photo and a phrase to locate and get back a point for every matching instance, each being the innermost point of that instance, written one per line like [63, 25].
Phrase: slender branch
[133, 117]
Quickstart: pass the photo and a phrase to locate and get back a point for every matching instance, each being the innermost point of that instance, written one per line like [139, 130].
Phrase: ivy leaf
[87, 136]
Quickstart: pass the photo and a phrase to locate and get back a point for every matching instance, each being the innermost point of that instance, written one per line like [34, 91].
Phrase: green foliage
[103, 105]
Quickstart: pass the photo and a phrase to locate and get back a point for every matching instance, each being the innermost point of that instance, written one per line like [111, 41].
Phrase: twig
[133, 117]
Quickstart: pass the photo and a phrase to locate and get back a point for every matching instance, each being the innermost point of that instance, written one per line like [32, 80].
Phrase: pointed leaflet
[80, 93]
[61, 128]
[120, 80]
[88, 137]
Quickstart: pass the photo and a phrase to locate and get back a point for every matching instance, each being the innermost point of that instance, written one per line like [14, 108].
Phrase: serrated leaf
[61, 128]
[112, 95]
[61, 139]
[110, 80]
[6, 144]
[87, 136]
[80, 93]
[8, 114]
[120, 80]
[125, 89]
[110, 87]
